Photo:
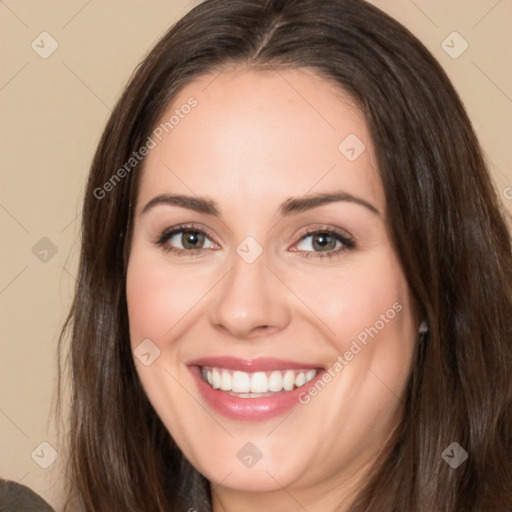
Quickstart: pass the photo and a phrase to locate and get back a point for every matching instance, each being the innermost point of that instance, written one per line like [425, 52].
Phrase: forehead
[245, 136]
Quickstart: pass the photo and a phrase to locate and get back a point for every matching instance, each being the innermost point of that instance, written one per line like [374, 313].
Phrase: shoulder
[15, 497]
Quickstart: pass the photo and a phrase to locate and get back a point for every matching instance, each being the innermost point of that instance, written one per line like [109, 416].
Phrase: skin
[255, 139]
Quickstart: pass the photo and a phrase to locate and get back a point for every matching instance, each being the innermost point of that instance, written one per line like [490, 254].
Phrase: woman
[295, 278]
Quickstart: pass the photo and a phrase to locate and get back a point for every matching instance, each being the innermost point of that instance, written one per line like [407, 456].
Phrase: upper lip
[261, 364]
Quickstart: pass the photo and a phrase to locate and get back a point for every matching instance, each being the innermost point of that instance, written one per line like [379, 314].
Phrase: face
[270, 320]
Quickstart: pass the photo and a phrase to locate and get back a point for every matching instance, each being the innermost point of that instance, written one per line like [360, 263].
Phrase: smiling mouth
[256, 384]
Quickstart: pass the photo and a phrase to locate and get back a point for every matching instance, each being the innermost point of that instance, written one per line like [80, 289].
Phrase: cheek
[365, 312]
[150, 309]
[159, 296]
[355, 297]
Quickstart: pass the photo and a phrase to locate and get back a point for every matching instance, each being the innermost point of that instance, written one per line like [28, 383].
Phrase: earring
[422, 331]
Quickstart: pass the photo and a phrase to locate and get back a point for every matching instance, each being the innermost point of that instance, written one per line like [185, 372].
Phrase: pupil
[322, 241]
[191, 239]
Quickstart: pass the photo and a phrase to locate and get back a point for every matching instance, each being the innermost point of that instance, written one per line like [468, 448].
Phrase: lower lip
[250, 409]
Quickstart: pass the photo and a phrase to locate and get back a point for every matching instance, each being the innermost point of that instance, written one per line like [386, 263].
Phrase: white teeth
[215, 382]
[225, 380]
[300, 379]
[259, 382]
[289, 380]
[310, 374]
[275, 382]
[252, 385]
[240, 383]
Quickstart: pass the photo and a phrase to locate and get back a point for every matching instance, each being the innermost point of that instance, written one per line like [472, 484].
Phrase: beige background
[52, 113]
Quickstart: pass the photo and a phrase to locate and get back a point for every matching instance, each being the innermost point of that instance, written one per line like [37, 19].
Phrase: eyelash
[162, 240]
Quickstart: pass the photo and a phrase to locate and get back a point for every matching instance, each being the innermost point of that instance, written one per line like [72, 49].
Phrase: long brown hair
[447, 225]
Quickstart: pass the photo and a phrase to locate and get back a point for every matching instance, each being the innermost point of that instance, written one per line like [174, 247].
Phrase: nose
[250, 301]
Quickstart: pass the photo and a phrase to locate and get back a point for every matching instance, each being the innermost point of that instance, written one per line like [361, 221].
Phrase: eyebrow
[291, 206]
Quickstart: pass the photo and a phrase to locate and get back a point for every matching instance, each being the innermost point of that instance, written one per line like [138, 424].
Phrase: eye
[323, 243]
[190, 240]
[185, 240]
